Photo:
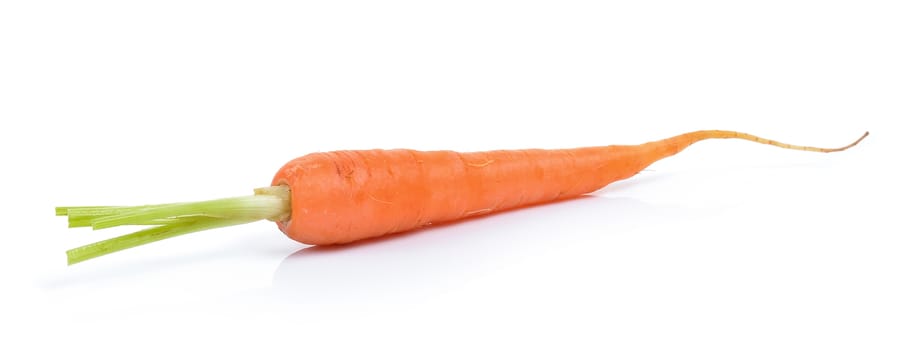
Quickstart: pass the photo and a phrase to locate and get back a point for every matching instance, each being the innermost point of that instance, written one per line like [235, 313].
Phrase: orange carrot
[344, 196]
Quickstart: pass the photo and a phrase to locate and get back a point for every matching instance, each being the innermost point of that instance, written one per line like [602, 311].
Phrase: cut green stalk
[63, 211]
[84, 216]
[148, 235]
[170, 220]
[87, 222]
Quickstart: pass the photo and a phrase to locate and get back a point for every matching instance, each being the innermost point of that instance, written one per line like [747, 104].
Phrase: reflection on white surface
[431, 261]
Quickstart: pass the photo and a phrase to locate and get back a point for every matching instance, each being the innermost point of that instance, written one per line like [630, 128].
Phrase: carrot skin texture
[344, 196]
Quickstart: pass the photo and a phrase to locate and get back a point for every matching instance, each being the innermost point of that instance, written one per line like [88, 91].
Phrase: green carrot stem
[171, 220]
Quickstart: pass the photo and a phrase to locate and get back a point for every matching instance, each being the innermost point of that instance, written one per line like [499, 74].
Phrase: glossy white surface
[727, 245]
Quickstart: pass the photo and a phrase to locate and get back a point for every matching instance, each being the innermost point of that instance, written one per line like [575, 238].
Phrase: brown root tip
[862, 137]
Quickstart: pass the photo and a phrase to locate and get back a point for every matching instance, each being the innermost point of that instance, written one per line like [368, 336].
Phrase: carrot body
[344, 196]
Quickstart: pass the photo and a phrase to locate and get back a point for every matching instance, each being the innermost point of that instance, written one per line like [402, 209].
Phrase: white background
[728, 245]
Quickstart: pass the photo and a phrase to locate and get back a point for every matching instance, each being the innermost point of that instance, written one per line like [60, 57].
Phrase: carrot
[345, 196]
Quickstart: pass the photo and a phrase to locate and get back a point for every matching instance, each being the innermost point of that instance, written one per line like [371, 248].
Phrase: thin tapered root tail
[171, 220]
[852, 144]
[725, 134]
